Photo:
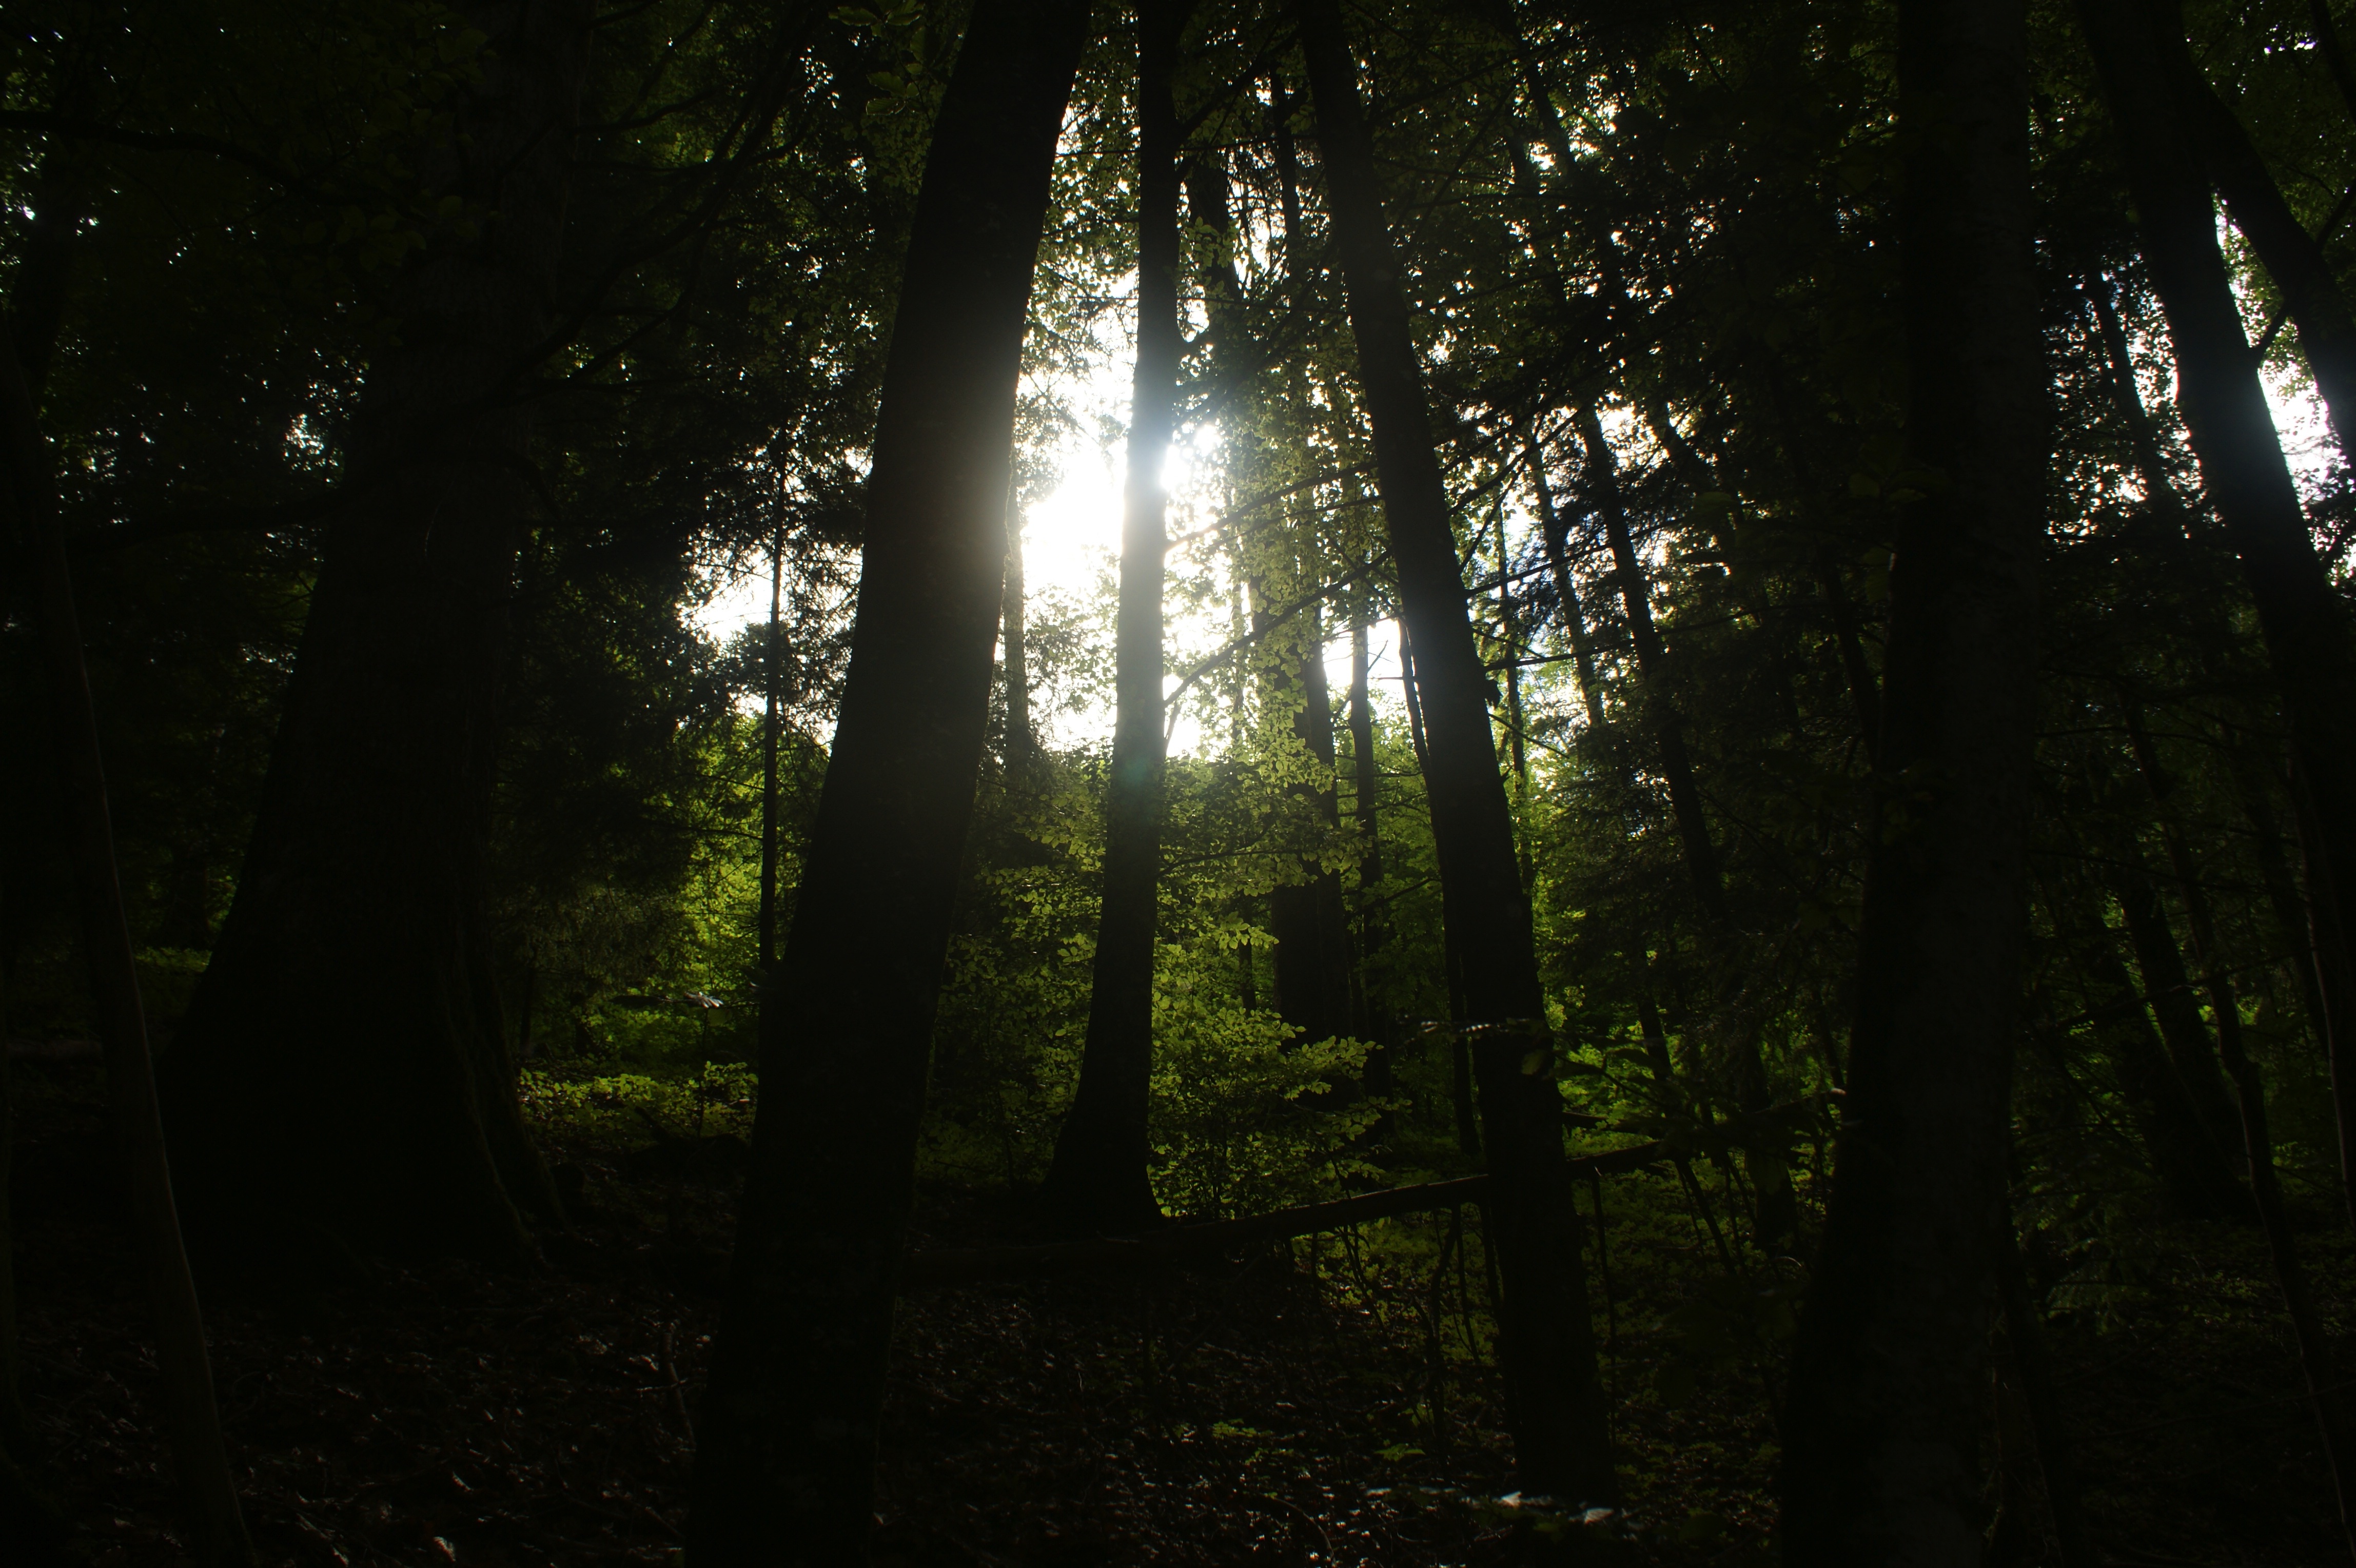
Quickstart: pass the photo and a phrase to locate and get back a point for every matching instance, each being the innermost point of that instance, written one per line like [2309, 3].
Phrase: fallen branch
[925, 1270]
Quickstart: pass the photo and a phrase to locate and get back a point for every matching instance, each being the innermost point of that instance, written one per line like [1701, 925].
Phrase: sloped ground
[1331, 1405]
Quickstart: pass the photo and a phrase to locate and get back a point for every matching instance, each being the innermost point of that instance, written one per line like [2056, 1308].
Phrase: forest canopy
[1644, 713]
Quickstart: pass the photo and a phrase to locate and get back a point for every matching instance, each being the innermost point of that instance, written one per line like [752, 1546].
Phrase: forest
[1314, 782]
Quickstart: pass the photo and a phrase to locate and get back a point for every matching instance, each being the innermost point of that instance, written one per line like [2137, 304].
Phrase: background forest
[458, 874]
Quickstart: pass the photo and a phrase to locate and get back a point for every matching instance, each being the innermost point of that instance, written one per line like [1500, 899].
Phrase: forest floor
[1331, 1403]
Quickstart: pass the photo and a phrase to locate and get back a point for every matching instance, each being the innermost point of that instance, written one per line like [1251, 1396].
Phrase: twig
[677, 1395]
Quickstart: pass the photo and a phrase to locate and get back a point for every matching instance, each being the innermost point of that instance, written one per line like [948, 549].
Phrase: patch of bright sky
[1071, 550]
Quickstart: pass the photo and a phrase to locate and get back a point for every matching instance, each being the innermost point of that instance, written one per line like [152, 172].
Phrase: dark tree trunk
[2257, 1140]
[1602, 477]
[772, 673]
[2159, 490]
[1307, 916]
[342, 1067]
[1016, 665]
[1553, 1395]
[2292, 257]
[1771, 1176]
[1372, 1021]
[2170, 990]
[1889, 1377]
[1554, 530]
[2024, 1326]
[1306, 913]
[2303, 622]
[191, 1417]
[2181, 1143]
[2335, 53]
[1097, 1181]
[37, 302]
[785, 1467]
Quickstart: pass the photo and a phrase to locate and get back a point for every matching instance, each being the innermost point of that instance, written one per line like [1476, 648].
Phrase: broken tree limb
[1182, 1242]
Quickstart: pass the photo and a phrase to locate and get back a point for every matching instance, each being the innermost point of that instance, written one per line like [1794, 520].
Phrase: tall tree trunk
[2024, 1326]
[1771, 1176]
[2335, 53]
[2179, 1139]
[1018, 742]
[785, 1456]
[1554, 530]
[1306, 913]
[1882, 1429]
[2225, 1013]
[1602, 475]
[1098, 1180]
[2300, 616]
[2169, 991]
[2158, 489]
[1306, 916]
[1554, 1397]
[342, 1067]
[37, 303]
[2292, 257]
[191, 1417]
[772, 662]
[1370, 1017]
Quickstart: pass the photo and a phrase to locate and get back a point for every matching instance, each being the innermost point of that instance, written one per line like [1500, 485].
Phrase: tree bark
[2300, 617]
[1018, 742]
[342, 1067]
[1553, 1395]
[772, 662]
[1778, 1209]
[2024, 1326]
[2182, 1143]
[1307, 917]
[2292, 257]
[2169, 991]
[1371, 1017]
[1554, 530]
[1098, 1180]
[2257, 1140]
[784, 1469]
[192, 1419]
[1882, 1429]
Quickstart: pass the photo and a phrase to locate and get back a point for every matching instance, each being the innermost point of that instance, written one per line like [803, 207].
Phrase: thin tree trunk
[2180, 1143]
[2159, 490]
[784, 1465]
[2306, 1325]
[1555, 530]
[1777, 1208]
[1468, 1137]
[2292, 257]
[1881, 1428]
[2335, 54]
[2303, 622]
[2225, 1014]
[1307, 917]
[1098, 1180]
[37, 303]
[192, 1419]
[1018, 742]
[343, 1066]
[1515, 743]
[1602, 472]
[1373, 1022]
[2025, 1328]
[1553, 1394]
[2173, 1004]
[771, 672]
